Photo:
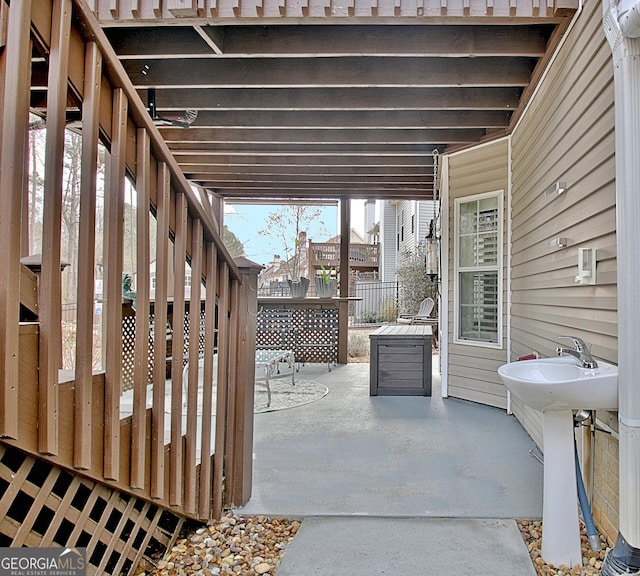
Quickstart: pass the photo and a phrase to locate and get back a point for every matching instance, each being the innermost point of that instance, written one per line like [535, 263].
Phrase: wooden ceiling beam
[256, 171]
[348, 99]
[315, 187]
[235, 179]
[353, 119]
[190, 162]
[323, 72]
[319, 148]
[296, 136]
[354, 193]
[169, 42]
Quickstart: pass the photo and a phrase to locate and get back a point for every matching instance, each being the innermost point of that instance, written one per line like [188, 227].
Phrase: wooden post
[17, 61]
[86, 258]
[343, 307]
[242, 433]
[230, 437]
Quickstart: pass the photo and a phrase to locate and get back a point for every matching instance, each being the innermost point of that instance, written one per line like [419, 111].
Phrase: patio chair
[423, 313]
[422, 316]
[317, 341]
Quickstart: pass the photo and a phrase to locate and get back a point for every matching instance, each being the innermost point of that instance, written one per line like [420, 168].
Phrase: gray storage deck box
[400, 361]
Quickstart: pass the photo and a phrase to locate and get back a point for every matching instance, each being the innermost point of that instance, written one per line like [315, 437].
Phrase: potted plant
[287, 227]
[325, 284]
[298, 285]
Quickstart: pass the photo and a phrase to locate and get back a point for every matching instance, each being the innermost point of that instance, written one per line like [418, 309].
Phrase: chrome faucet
[580, 351]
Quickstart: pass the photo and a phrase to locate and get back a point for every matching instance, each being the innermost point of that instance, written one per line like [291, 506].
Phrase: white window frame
[498, 268]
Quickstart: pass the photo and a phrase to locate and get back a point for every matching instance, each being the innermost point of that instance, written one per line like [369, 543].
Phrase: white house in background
[402, 225]
[187, 282]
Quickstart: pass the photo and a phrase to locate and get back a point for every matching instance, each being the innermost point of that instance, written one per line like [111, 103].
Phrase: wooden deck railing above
[79, 425]
[144, 10]
[327, 254]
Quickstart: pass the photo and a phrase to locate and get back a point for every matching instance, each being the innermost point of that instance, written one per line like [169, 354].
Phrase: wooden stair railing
[77, 425]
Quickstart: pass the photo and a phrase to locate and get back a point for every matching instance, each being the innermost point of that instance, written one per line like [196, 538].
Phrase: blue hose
[592, 532]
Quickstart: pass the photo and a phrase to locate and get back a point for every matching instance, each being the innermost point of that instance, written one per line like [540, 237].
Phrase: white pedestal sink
[557, 386]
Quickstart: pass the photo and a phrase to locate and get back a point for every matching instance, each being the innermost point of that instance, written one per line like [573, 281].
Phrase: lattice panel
[128, 351]
[128, 346]
[42, 505]
[186, 327]
[317, 339]
[311, 333]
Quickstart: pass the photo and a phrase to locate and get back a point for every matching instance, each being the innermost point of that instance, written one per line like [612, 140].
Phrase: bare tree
[284, 226]
[36, 185]
[71, 213]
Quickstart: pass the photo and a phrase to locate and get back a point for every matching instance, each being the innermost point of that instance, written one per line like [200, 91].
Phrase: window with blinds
[478, 274]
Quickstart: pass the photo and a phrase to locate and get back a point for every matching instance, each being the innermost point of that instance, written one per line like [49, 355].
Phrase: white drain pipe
[629, 18]
[622, 28]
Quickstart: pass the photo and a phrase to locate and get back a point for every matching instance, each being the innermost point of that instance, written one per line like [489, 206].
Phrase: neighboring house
[403, 225]
[152, 284]
[273, 278]
[314, 256]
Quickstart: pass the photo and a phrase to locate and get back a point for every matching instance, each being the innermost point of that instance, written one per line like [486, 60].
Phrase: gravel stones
[253, 546]
[236, 545]
[591, 561]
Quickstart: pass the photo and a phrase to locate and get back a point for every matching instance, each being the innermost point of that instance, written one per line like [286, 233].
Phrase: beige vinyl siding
[472, 369]
[566, 135]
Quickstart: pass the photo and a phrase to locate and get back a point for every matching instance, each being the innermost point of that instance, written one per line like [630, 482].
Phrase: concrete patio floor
[423, 481]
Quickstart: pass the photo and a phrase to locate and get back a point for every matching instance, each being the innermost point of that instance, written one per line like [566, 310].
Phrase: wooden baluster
[222, 389]
[160, 335]
[86, 258]
[232, 407]
[204, 499]
[50, 278]
[113, 258]
[180, 255]
[141, 349]
[192, 385]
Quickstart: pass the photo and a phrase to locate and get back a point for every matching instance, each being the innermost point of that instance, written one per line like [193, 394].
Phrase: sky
[246, 220]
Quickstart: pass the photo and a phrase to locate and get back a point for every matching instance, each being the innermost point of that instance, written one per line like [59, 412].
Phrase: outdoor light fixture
[558, 242]
[431, 241]
[586, 266]
[431, 255]
[555, 189]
